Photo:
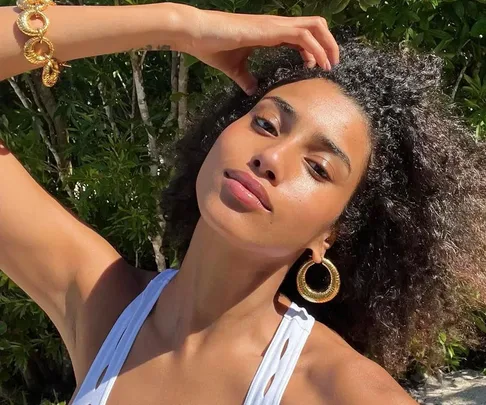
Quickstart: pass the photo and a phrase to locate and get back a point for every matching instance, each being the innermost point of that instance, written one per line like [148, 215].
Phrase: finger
[321, 31]
[319, 28]
[309, 60]
[243, 78]
[304, 38]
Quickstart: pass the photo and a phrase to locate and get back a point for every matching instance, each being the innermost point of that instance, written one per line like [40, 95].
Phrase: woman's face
[307, 145]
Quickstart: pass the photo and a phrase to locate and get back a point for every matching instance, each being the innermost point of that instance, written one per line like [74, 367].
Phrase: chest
[154, 376]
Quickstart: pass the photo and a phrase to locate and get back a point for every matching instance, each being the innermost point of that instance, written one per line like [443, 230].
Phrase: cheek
[231, 146]
[234, 144]
[227, 152]
[308, 208]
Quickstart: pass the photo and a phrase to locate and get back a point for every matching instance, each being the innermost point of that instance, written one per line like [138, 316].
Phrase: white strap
[118, 343]
[294, 327]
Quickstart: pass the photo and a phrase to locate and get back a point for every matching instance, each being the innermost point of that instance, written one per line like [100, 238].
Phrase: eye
[318, 169]
[265, 125]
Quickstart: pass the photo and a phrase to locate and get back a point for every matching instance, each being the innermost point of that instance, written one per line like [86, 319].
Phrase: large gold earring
[318, 296]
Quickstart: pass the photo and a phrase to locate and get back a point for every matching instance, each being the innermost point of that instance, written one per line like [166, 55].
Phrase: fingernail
[328, 64]
[250, 91]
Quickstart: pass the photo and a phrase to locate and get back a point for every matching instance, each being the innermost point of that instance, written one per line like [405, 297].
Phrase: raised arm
[219, 39]
[83, 31]
[55, 258]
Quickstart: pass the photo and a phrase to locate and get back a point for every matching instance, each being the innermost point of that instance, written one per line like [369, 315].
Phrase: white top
[295, 327]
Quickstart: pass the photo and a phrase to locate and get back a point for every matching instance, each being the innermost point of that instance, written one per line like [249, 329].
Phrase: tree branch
[182, 88]
[156, 240]
[174, 86]
[458, 81]
[107, 108]
[132, 112]
[38, 124]
[40, 106]
[50, 105]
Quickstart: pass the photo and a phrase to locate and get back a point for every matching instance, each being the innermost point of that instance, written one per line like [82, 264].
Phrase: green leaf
[479, 28]
[365, 4]
[296, 10]
[389, 18]
[411, 16]
[310, 8]
[418, 39]
[3, 327]
[480, 323]
[472, 9]
[5, 120]
[459, 9]
[464, 33]
[442, 44]
[440, 34]
[474, 82]
[176, 96]
[11, 285]
[240, 3]
[189, 60]
[468, 102]
[224, 5]
[373, 3]
[397, 32]
[336, 6]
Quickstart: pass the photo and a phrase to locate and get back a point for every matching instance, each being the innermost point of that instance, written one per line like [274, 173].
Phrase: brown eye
[318, 169]
[265, 125]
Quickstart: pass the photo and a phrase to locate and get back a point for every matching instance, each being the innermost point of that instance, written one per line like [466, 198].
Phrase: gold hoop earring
[318, 296]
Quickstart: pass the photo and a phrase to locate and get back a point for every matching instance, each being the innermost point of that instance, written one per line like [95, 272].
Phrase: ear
[321, 245]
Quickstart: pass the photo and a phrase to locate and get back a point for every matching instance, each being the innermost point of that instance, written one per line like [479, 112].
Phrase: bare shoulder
[103, 297]
[341, 375]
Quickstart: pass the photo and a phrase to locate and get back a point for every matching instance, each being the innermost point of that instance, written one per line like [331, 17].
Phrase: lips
[252, 184]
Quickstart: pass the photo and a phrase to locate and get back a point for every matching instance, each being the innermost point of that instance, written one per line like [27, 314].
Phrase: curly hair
[411, 242]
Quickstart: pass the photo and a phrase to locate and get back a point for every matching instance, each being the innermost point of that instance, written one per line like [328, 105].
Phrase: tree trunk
[156, 240]
[182, 88]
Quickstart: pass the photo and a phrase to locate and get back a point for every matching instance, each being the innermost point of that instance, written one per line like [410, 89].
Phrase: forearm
[84, 31]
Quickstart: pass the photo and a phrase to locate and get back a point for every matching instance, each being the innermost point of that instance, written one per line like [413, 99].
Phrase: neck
[220, 293]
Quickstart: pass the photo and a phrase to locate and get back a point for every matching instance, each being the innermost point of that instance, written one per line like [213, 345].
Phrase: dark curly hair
[411, 243]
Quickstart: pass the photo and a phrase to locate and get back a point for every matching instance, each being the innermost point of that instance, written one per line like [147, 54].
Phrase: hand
[225, 40]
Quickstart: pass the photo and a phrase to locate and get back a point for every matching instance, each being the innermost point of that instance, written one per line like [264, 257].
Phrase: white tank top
[295, 327]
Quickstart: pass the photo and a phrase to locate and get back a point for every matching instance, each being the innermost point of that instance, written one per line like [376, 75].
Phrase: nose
[269, 163]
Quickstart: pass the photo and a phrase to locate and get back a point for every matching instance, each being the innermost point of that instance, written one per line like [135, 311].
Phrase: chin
[238, 226]
[232, 225]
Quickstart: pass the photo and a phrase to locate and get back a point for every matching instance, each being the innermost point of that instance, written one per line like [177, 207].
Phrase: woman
[264, 183]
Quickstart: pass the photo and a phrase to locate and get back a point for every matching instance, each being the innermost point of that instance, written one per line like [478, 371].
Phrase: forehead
[322, 106]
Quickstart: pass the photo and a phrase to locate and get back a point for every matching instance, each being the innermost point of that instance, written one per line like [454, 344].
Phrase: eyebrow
[317, 137]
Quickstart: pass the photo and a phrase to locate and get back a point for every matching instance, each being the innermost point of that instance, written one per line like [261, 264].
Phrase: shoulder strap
[117, 345]
[291, 335]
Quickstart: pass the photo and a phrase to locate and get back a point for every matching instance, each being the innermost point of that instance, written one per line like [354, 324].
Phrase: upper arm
[356, 380]
[44, 248]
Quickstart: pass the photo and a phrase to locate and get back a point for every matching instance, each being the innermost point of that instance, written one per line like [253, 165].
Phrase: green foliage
[454, 352]
[479, 319]
[30, 346]
[112, 189]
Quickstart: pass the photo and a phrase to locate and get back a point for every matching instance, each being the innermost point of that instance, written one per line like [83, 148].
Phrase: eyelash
[325, 174]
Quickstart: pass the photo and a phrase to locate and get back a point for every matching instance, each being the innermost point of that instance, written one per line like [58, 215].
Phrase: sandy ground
[464, 387]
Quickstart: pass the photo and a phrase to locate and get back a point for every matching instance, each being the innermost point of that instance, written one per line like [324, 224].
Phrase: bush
[107, 175]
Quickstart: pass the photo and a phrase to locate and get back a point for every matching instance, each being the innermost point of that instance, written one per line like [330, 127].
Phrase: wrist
[176, 28]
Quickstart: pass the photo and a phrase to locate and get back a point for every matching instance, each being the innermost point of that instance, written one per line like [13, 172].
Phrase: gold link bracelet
[52, 66]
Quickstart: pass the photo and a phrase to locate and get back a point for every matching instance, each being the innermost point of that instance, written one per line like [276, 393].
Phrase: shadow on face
[307, 145]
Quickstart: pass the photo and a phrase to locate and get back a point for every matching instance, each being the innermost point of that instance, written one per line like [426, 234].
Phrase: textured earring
[318, 296]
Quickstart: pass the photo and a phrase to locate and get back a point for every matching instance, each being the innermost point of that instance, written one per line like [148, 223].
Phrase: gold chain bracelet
[52, 66]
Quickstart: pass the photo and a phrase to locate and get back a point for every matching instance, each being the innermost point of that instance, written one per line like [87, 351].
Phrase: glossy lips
[252, 185]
